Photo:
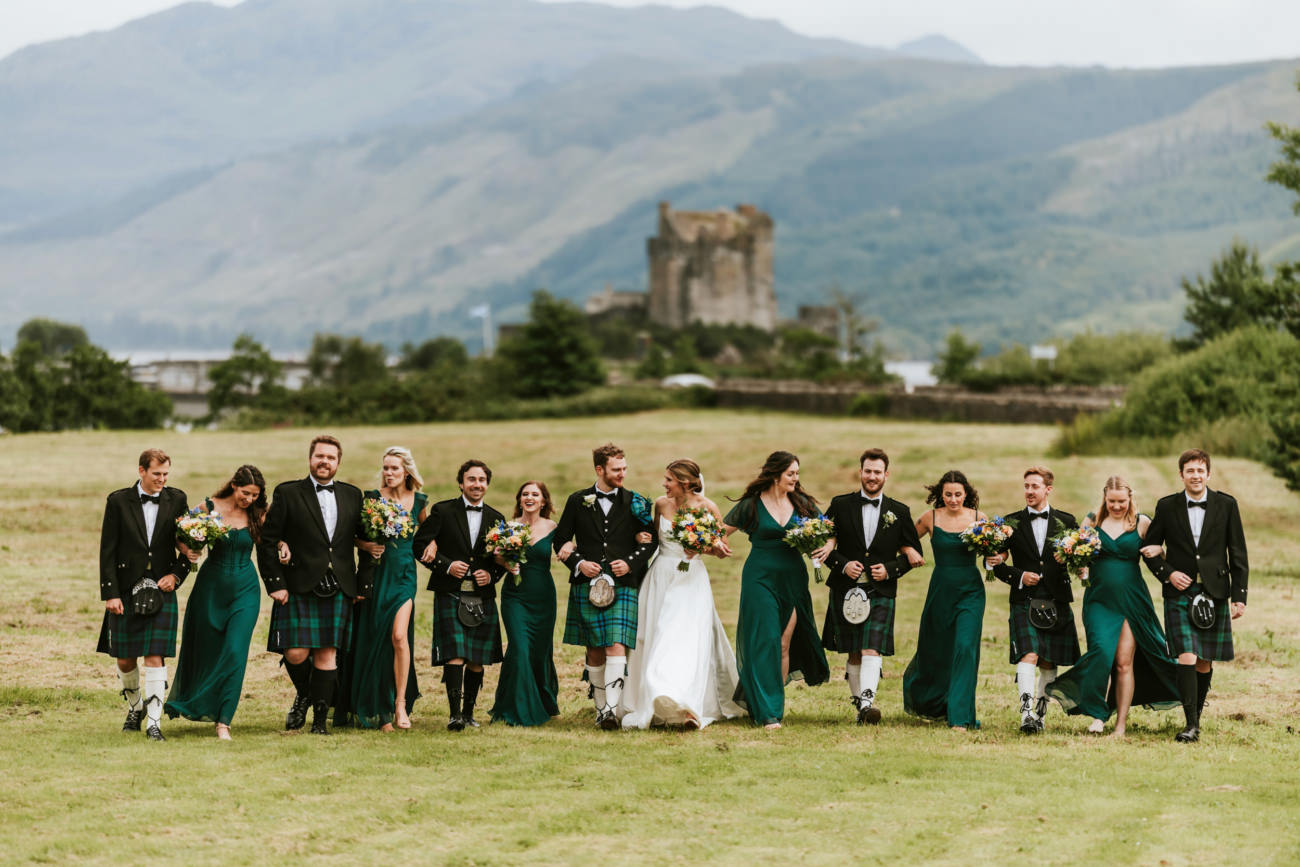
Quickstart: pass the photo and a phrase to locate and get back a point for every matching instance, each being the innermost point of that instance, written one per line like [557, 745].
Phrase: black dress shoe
[455, 724]
[606, 721]
[154, 733]
[296, 718]
[320, 713]
[469, 721]
[1189, 735]
[132, 723]
[868, 713]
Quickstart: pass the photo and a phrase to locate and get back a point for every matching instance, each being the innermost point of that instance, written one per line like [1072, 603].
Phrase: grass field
[822, 790]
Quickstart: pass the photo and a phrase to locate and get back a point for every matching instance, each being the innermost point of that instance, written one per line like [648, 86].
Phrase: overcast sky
[1034, 32]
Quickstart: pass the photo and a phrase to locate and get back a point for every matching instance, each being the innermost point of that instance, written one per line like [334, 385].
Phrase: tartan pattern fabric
[1214, 643]
[125, 636]
[585, 625]
[452, 640]
[876, 633]
[307, 620]
[1059, 646]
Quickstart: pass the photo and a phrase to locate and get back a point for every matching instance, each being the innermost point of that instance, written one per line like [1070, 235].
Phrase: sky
[1132, 33]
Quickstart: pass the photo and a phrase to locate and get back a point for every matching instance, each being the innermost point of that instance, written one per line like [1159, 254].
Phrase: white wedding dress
[683, 667]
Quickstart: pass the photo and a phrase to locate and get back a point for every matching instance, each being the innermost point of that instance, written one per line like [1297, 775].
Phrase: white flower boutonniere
[889, 519]
[589, 501]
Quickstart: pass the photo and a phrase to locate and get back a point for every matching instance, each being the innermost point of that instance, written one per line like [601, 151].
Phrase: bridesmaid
[776, 635]
[939, 682]
[1126, 662]
[222, 609]
[380, 670]
[528, 688]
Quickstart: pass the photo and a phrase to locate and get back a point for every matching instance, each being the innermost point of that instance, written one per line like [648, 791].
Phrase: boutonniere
[889, 519]
[589, 501]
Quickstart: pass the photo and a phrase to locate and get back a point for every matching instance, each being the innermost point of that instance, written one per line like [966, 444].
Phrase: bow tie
[469, 508]
[868, 501]
[145, 498]
[610, 496]
[1196, 504]
[329, 489]
[1035, 516]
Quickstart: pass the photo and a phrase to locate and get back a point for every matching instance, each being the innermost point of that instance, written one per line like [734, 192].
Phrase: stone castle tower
[713, 267]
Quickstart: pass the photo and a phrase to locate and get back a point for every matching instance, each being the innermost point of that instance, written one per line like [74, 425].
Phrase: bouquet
[809, 534]
[988, 538]
[198, 529]
[697, 530]
[385, 519]
[509, 540]
[1076, 549]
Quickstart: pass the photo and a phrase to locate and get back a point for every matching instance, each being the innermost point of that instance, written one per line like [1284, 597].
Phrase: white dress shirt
[606, 503]
[870, 518]
[1040, 527]
[329, 506]
[475, 521]
[1196, 517]
[150, 513]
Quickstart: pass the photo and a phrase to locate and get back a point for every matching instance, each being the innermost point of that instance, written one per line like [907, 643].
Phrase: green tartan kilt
[125, 636]
[585, 625]
[1214, 643]
[452, 640]
[307, 620]
[876, 633]
[1059, 646]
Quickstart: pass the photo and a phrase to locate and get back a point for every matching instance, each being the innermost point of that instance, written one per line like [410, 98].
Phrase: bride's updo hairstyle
[688, 474]
[1117, 483]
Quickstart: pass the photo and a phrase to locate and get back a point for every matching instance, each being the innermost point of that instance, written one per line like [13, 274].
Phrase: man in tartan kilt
[138, 541]
[607, 525]
[1034, 574]
[1196, 547]
[316, 581]
[875, 544]
[452, 542]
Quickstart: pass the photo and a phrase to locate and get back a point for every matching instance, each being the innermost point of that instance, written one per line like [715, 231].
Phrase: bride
[684, 671]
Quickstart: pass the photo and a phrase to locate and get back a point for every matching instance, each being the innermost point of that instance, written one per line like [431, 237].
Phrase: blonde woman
[1126, 662]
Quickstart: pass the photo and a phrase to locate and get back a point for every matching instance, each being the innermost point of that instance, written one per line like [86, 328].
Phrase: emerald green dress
[368, 683]
[1117, 593]
[939, 682]
[528, 688]
[773, 583]
[219, 620]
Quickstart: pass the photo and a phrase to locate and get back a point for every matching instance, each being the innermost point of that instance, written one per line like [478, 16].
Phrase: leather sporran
[327, 586]
[856, 606]
[1043, 614]
[601, 592]
[470, 611]
[146, 598]
[1202, 611]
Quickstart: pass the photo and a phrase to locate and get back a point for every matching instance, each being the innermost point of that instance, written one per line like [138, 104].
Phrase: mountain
[935, 46]
[1009, 202]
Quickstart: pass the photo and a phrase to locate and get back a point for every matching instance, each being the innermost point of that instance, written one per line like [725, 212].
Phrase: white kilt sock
[596, 676]
[853, 673]
[130, 687]
[1045, 678]
[1025, 679]
[155, 686]
[871, 666]
[615, 669]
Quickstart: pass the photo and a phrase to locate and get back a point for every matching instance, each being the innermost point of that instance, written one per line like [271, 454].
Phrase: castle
[713, 267]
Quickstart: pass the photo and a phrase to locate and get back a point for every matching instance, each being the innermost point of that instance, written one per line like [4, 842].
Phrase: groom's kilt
[126, 636]
[1059, 646]
[1214, 643]
[588, 626]
[307, 620]
[876, 633]
[452, 640]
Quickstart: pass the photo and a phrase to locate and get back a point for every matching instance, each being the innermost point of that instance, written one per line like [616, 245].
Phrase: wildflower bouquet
[385, 519]
[198, 529]
[1076, 549]
[809, 534]
[987, 538]
[510, 540]
[697, 530]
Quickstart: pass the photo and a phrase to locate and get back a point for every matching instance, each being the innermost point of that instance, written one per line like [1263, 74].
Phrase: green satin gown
[1117, 593]
[368, 681]
[940, 681]
[773, 584]
[219, 619]
[528, 688]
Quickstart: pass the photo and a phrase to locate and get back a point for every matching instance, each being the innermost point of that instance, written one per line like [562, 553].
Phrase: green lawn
[821, 790]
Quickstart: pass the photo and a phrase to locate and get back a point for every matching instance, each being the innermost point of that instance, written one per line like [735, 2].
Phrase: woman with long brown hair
[776, 635]
[1127, 661]
[222, 609]
[528, 688]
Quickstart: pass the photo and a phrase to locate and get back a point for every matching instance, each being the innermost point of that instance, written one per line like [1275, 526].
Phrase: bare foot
[956, 728]
[223, 732]
[1118, 734]
[1097, 727]
[403, 721]
[386, 727]
[771, 727]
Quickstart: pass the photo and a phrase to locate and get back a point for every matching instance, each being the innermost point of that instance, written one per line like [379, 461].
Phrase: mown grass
[822, 790]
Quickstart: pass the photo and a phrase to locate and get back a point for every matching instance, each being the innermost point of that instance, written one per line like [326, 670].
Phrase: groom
[603, 521]
[319, 518]
[1203, 566]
